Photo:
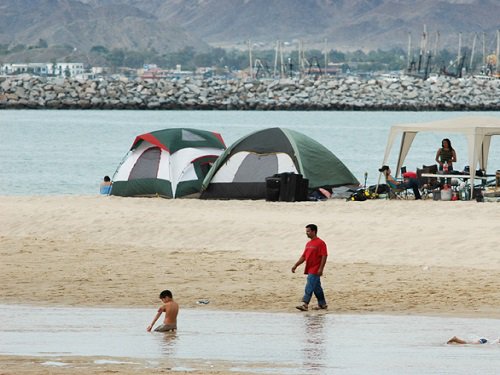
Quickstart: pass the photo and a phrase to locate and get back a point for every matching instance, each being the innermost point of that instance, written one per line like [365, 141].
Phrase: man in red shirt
[314, 255]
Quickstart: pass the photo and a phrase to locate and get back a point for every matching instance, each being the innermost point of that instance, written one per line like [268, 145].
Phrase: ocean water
[68, 152]
[284, 343]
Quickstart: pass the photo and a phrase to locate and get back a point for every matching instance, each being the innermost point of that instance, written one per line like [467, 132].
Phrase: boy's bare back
[171, 309]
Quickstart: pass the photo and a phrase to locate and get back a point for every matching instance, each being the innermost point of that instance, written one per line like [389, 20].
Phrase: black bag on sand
[382, 189]
[359, 195]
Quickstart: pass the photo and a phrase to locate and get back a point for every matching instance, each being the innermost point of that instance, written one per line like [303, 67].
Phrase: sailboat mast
[426, 39]
[472, 52]
[423, 46]
[459, 55]
[408, 66]
[298, 61]
[436, 44]
[282, 70]
[302, 57]
[250, 58]
[326, 55]
[498, 52]
[484, 48]
[276, 58]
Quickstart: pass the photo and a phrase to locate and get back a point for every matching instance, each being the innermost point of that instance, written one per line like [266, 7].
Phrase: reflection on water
[313, 350]
[168, 343]
[294, 343]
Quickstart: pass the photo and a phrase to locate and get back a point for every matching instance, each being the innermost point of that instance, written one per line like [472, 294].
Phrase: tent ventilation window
[189, 136]
[147, 165]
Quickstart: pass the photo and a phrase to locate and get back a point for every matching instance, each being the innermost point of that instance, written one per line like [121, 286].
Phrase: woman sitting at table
[446, 154]
[408, 183]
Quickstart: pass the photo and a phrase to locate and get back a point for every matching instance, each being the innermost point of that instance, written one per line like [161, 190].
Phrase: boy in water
[482, 340]
[171, 309]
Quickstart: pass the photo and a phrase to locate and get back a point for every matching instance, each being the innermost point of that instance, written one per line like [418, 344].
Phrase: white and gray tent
[169, 163]
[477, 129]
[241, 171]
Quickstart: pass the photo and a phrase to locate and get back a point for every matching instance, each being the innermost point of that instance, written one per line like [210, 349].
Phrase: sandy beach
[390, 257]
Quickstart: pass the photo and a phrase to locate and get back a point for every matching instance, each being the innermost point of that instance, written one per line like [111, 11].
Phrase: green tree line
[232, 60]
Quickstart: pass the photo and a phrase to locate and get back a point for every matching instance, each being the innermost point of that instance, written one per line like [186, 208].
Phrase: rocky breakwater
[405, 93]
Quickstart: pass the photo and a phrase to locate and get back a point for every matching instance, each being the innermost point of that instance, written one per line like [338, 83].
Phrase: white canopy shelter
[477, 129]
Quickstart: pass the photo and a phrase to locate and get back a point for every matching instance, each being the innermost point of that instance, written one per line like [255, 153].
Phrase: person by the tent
[409, 183]
[315, 255]
[105, 187]
[320, 194]
[446, 155]
[171, 309]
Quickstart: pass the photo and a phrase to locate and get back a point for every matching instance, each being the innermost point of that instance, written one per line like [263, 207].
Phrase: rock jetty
[350, 93]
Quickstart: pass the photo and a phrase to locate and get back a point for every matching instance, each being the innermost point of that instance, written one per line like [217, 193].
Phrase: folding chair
[396, 192]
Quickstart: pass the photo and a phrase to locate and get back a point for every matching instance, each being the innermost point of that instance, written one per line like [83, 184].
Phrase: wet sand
[395, 257]
[13, 365]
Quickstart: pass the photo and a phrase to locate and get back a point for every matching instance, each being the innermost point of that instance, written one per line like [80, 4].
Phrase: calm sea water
[68, 152]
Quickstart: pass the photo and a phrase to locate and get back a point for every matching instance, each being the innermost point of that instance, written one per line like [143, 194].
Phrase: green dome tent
[240, 172]
[170, 163]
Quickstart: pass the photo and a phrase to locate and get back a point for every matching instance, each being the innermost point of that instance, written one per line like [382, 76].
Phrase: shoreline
[431, 294]
[389, 302]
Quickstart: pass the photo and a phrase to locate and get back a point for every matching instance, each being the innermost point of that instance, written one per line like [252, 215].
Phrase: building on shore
[73, 70]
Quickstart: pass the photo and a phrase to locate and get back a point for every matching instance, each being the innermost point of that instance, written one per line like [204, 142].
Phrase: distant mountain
[83, 25]
[170, 25]
[346, 24]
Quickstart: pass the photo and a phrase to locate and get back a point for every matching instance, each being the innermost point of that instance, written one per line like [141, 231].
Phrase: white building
[68, 69]
[74, 70]
[31, 68]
